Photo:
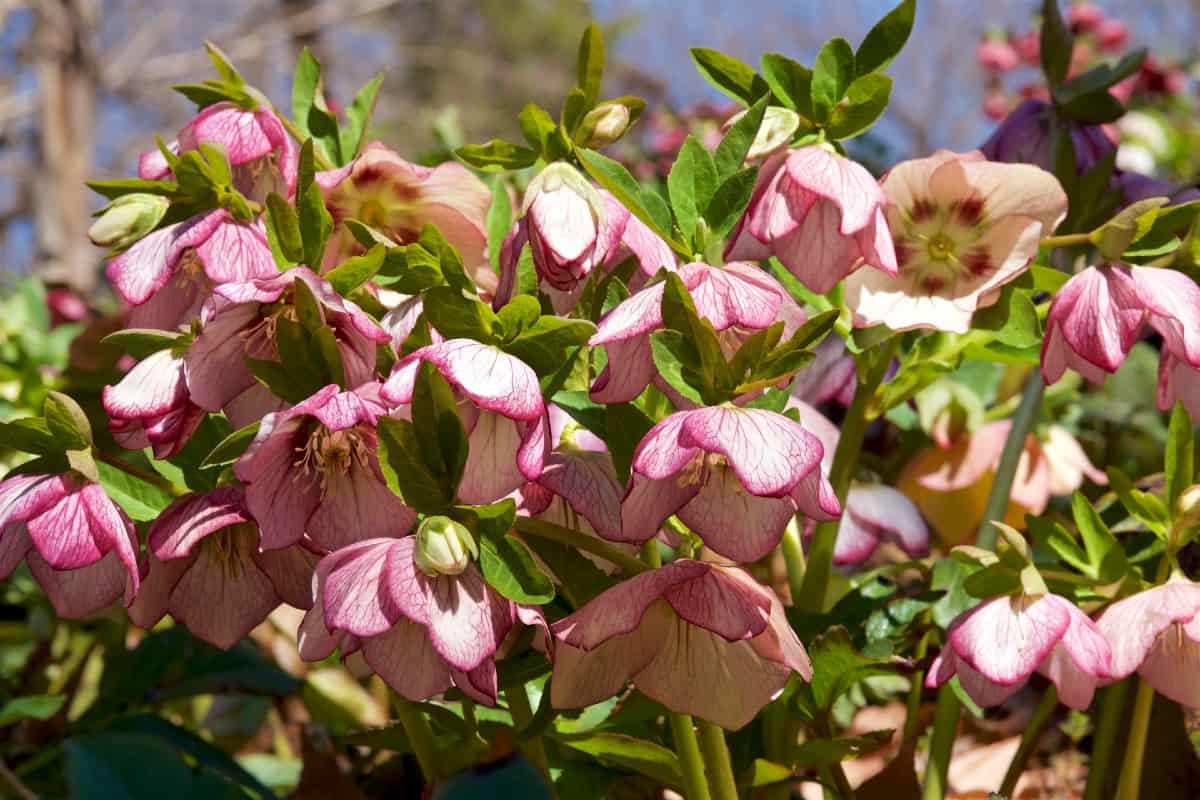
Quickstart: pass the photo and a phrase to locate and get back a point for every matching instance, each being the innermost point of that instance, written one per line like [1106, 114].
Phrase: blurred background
[85, 84]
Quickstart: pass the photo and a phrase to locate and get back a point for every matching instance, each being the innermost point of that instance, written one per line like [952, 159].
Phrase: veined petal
[354, 588]
[155, 385]
[629, 370]
[1173, 301]
[733, 522]
[492, 379]
[648, 502]
[405, 659]
[769, 453]
[887, 513]
[1133, 625]
[736, 294]
[467, 619]
[184, 523]
[146, 266]
[1006, 638]
[637, 314]
[236, 251]
[588, 482]
[492, 470]
[732, 606]
[222, 602]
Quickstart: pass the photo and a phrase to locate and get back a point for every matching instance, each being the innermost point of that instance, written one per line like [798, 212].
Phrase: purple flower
[1024, 137]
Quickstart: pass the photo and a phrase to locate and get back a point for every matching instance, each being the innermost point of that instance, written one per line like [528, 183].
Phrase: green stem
[1066, 240]
[1006, 470]
[420, 736]
[1104, 742]
[522, 714]
[945, 729]
[1029, 739]
[580, 541]
[690, 760]
[793, 557]
[721, 782]
[152, 478]
[814, 589]
[1135, 746]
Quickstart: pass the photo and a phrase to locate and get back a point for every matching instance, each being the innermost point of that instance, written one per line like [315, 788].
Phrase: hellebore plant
[520, 431]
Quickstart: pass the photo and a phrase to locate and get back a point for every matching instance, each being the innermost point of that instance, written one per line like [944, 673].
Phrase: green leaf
[627, 753]
[316, 224]
[885, 41]
[832, 73]
[66, 422]
[1146, 507]
[590, 67]
[448, 259]
[224, 66]
[1179, 467]
[280, 380]
[496, 154]
[283, 231]
[790, 82]
[575, 108]
[826, 752]
[499, 220]
[124, 766]
[1012, 319]
[439, 430]
[730, 200]
[142, 501]
[508, 568]
[837, 665]
[231, 447]
[456, 316]
[1104, 553]
[356, 270]
[730, 76]
[691, 183]
[544, 345]
[1057, 44]
[118, 187]
[676, 360]
[698, 337]
[142, 342]
[404, 469]
[623, 186]
[1094, 108]
[538, 128]
[30, 435]
[992, 581]
[308, 107]
[36, 706]
[627, 424]
[765, 773]
[731, 152]
[866, 100]
[358, 118]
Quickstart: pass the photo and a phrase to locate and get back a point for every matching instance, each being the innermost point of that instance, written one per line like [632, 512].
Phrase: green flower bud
[1187, 506]
[127, 219]
[776, 131]
[603, 125]
[444, 547]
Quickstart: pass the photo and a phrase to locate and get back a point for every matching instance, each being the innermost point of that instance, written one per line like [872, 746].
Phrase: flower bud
[1187, 506]
[603, 125]
[444, 547]
[127, 219]
[778, 125]
[564, 218]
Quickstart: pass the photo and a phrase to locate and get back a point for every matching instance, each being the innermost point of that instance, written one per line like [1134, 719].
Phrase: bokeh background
[85, 84]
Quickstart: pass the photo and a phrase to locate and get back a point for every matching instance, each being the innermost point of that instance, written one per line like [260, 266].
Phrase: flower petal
[727, 603]
[467, 619]
[355, 590]
[769, 452]
[492, 379]
[1132, 625]
[406, 660]
[1006, 638]
[731, 521]
[184, 523]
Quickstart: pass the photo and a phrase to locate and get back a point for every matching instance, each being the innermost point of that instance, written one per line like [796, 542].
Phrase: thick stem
[522, 714]
[721, 783]
[945, 728]
[1104, 741]
[1006, 470]
[814, 589]
[1135, 746]
[690, 760]
[580, 541]
[1033, 730]
[793, 558]
[420, 736]
[1066, 240]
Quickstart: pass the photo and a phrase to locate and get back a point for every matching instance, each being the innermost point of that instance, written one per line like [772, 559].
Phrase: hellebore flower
[1156, 633]
[820, 214]
[263, 157]
[1094, 320]
[569, 230]
[151, 407]
[1178, 380]
[738, 299]
[1024, 137]
[206, 569]
[503, 413]
[698, 637]
[399, 198]
[997, 55]
[239, 322]
[167, 275]
[831, 375]
[963, 227]
[950, 485]
[422, 633]
[80, 547]
[313, 469]
[874, 513]
[996, 646]
[735, 476]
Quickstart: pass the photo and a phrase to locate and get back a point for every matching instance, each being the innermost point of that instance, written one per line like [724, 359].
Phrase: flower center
[698, 469]
[227, 547]
[373, 213]
[330, 453]
[940, 247]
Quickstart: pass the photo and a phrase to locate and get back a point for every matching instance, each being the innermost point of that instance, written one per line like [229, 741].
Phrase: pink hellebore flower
[996, 646]
[874, 513]
[963, 227]
[738, 299]
[399, 198]
[831, 375]
[79, 545]
[422, 634]
[820, 214]
[239, 322]
[502, 410]
[1094, 320]
[997, 55]
[263, 156]
[698, 637]
[313, 469]
[167, 275]
[151, 407]
[735, 476]
[1156, 633]
[206, 569]
[569, 230]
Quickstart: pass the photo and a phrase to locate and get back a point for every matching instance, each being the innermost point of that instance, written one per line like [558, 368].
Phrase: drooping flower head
[314, 469]
[80, 547]
[421, 633]
[700, 638]
[167, 275]
[399, 198]
[820, 214]
[207, 571]
[1025, 137]
[263, 157]
[963, 227]
[567, 226]
[1094, 320]
[240, 322]
[735, 476]
[996, 646]
[502, 411]
[151, 406]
